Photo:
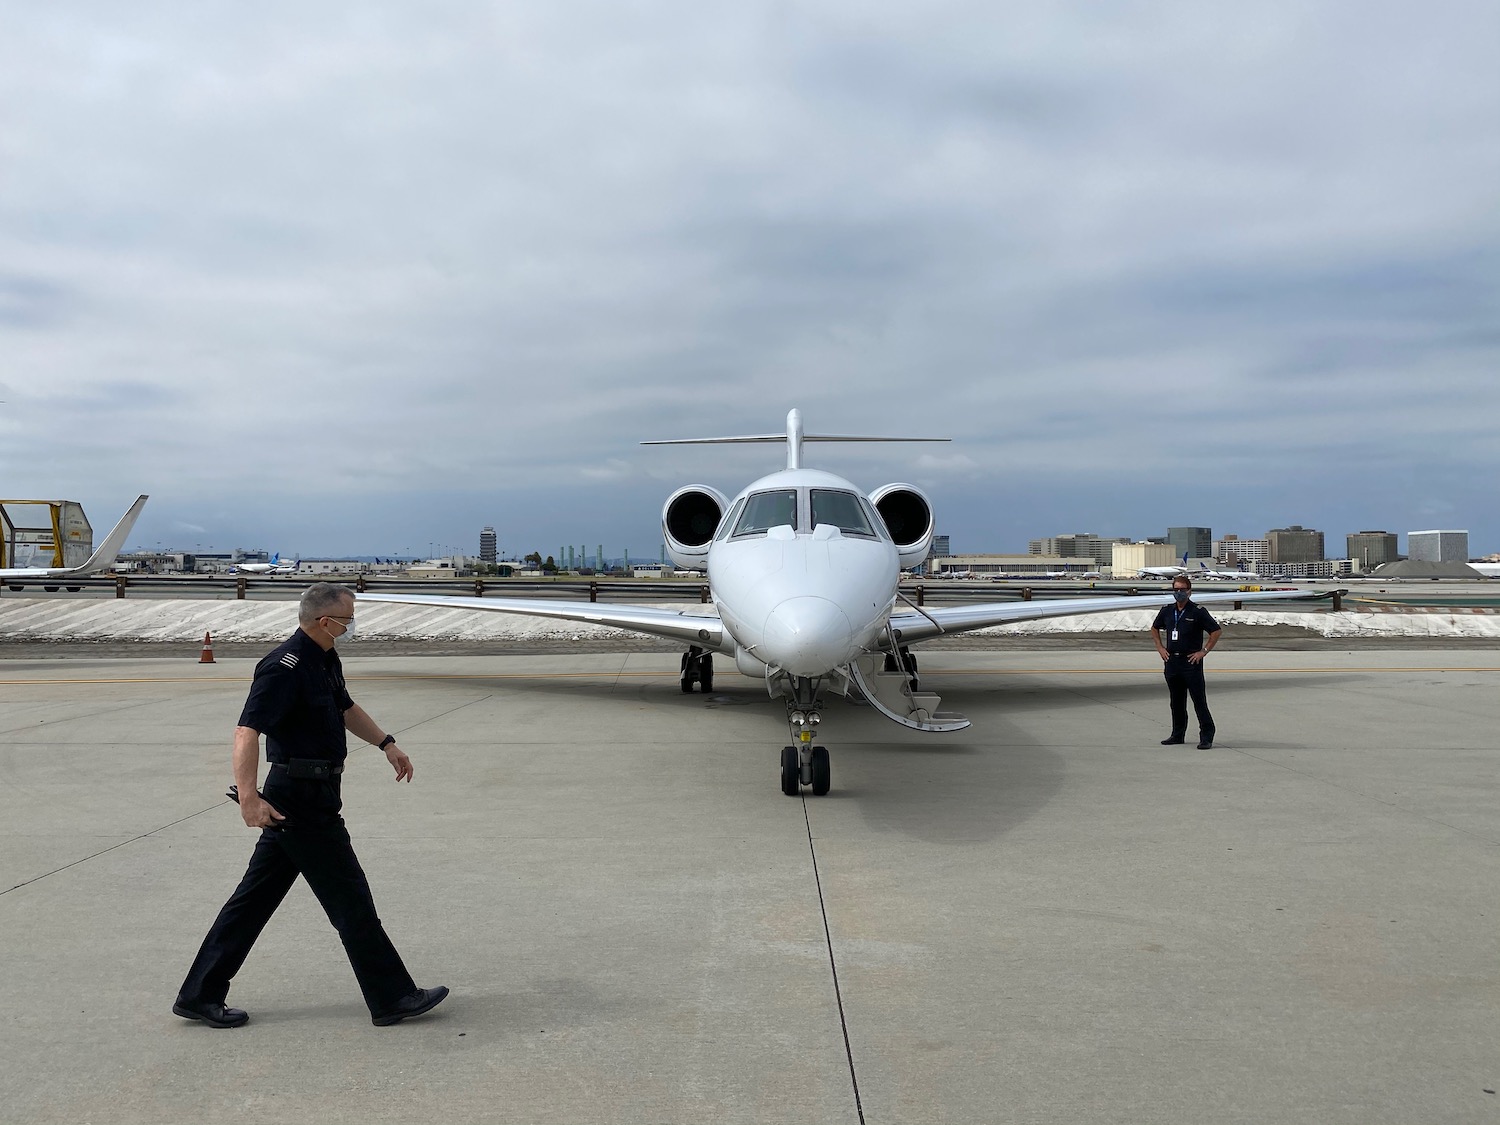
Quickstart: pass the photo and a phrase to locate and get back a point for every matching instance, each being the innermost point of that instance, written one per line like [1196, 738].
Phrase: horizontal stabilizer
[794, 437]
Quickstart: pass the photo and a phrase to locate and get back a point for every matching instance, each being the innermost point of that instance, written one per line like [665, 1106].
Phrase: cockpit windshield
[842, 509]
[765, 510]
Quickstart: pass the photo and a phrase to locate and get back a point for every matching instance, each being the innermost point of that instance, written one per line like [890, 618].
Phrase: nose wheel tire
[791, 772]
[822, 771]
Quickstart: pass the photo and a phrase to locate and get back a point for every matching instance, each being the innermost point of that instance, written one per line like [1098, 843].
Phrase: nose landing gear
[804, 763]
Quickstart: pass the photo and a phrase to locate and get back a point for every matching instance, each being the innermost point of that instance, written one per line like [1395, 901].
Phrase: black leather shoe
[1171, 742]
[215, 1015]
[421, 1001]
[1206, 744]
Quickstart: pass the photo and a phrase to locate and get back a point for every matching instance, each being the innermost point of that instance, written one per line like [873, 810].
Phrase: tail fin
[794, 437]
[104, 555]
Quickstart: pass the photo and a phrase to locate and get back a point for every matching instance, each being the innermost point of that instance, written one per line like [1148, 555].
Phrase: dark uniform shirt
[1188, 624]
[298, 702]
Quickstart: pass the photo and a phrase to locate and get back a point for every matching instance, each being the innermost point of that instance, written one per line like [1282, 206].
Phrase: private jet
[804, 570]
[16, 577]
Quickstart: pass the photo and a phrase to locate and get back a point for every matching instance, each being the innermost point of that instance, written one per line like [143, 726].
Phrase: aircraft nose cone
[808, 636]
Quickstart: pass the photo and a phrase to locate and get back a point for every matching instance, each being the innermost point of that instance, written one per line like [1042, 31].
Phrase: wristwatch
[386, 741]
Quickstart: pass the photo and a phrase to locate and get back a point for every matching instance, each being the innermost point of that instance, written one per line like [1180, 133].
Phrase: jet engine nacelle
[688, 521]
[908, 517]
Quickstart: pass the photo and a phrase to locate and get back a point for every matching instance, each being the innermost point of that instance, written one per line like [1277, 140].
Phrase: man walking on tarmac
[299, 701]
[1190, 634]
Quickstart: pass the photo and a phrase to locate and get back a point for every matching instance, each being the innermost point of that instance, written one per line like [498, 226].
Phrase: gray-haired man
[301, 704]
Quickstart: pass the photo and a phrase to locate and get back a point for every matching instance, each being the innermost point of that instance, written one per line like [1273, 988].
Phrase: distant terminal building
[1194, 542]
[1295, 544]
[1016, 566]
[1369, 549]
[1438, 546]
[1232, 550]
[332, 566]
[1080, 545]
[155, 562]
[1322, 568]
[1127, 559]
[941, 547]
[488, 547]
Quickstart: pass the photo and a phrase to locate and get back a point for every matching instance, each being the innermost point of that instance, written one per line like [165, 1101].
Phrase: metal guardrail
[576, 589]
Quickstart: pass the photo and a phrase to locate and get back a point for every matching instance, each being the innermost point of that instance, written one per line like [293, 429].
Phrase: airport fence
[285, 587]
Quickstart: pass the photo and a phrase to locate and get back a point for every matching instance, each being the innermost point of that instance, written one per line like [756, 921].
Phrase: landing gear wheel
[822, 771]
[697, 666]
[791, 772]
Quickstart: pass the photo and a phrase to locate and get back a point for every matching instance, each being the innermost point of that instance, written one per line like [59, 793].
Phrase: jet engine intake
[907, 513]
[688, 522]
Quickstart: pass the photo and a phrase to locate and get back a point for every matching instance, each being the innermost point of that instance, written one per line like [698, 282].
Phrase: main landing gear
[804, 763]
[697, 667]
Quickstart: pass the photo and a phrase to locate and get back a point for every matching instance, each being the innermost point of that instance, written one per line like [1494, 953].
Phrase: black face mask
[1181, 595]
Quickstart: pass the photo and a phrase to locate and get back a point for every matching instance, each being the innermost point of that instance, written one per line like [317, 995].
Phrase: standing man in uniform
[299, 701]
[1190, 634]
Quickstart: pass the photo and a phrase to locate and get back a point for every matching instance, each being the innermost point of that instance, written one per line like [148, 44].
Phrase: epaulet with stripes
[289, 659]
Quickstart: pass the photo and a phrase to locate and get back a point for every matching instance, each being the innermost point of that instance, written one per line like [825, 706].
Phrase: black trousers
[1185, 679]
[317, 847]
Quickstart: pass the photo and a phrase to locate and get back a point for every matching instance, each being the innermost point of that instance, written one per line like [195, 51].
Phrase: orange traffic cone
[208, 650]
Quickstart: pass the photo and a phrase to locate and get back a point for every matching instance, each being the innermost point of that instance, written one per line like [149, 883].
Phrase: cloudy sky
[361, 278]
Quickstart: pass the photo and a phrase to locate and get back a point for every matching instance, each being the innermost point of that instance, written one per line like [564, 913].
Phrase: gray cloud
[327, 279]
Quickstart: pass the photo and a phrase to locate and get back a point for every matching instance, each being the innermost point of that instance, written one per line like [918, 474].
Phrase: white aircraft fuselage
[802, 599]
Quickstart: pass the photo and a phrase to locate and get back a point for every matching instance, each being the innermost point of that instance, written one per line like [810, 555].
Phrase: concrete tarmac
[1047, 917]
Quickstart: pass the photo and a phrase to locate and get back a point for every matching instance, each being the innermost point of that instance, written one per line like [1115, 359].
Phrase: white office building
[1438, 546]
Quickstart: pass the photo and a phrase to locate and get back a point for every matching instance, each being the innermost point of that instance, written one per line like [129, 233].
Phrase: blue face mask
[1181, 595]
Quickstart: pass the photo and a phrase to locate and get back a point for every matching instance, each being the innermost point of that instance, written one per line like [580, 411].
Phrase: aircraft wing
[704, 631]
[102, 559]
[924, 624]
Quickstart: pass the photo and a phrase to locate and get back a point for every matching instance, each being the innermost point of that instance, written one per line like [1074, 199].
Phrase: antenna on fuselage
[794, 437]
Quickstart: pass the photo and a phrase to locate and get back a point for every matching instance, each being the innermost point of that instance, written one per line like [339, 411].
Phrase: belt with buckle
[310, 769]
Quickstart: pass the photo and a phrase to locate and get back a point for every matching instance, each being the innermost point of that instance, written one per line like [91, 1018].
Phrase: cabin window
[874, 517]
[843, 510]
[729, 519]
[765, 510]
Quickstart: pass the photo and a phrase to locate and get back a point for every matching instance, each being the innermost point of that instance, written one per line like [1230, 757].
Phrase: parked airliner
[102, 559]
[1164, 571]
[275, 566]
[1244, 574]
[804, 574]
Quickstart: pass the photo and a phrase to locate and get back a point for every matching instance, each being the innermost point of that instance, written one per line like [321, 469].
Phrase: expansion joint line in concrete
[112, 847]
[838, 994]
